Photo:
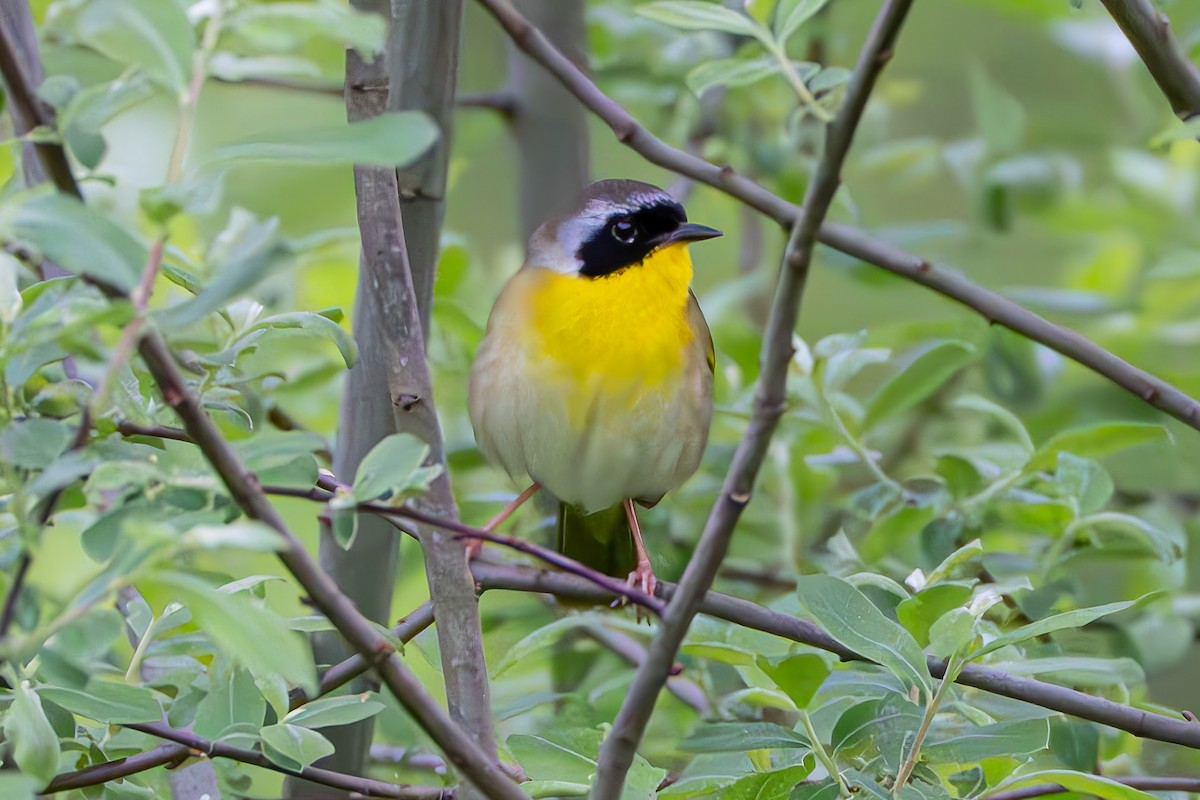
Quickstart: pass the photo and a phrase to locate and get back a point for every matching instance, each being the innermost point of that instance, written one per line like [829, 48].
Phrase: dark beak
[691, 232]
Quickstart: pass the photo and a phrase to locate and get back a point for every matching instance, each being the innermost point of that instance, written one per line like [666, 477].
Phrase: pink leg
[642, 576]
[475, 545]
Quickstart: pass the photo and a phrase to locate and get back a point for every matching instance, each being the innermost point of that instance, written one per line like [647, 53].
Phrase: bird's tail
[600, 540]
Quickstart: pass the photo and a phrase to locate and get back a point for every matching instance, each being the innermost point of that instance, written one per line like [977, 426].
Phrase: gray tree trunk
[549, 124]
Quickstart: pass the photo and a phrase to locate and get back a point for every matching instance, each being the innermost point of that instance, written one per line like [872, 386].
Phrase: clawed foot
[641, 579]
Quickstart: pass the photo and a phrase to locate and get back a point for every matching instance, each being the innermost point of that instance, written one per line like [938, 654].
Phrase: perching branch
[848, 239]
[191, 744]
[1145, 724]
[1149, 31]
[620, 746]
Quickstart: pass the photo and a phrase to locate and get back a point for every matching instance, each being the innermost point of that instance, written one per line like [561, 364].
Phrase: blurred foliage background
[1018, 141]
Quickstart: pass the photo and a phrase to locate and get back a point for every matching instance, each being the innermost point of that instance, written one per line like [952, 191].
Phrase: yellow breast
[624, 330]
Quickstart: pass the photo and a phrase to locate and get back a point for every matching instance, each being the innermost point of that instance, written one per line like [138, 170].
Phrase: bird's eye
[625, 230]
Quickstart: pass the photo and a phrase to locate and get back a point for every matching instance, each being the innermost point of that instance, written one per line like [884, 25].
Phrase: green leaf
[790, 15]
[75, 237]
[923, 376]
[242, 534]
[317, 325]
[884, 725]
[919, 612]
[388, 471]
[1079, 671]
[10, 295]
[692, 15]
[288, 25]
[952, 632]
[33, 740]
[738, 737]
[719, 651]
[244, 253]
[774, 785]
[1097, 441]
[736, 72]
[108, 702]
[1079, 782]
[853, 620]
[34, 443]
[545, 760]
[1007, 419]
[1110, 529]
[1069, 619]
[327, 712]
[1004, 739]
[1085, 480]
[799, 676]
[150, 34]
[258, 638]
[14, 785]
[388, 140]
[92, 108]
[292, 746]
[552, 789]
[999, 116]
[1075, 743]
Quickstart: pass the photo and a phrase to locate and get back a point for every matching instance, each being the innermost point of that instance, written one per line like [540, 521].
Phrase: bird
[594, 377]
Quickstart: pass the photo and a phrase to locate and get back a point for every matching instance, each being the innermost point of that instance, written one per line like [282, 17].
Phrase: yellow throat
[626, 328]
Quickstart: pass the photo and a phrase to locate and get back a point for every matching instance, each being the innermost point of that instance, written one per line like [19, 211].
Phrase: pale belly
[592, 443]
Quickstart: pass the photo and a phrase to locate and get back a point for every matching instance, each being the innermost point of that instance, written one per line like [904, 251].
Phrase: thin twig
[337, 780]
[502, 102]
[14, 592]
[1149, 31]
[848, 239]
[620, 746]
[158, 431]
[1191, 785]
[96, 774]
[1145, 724]
[634, 652]
[345, 671]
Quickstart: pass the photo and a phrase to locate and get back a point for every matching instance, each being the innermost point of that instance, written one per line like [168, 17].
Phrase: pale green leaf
[34, 742]
[1097, 441]
[75, 237]
[853, 620]
[317, 325]
[1068, 619]
[292, 746]
[790, 16]
[327, 712]
[919, 379]
[1004, 739]
[1080, 782]
[108, 702]
[737, 737]
[388, 140]
[152, 35]
[693, 15]
[387, 471]
[256, 637]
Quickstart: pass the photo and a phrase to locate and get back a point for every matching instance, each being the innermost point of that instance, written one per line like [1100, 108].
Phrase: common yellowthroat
[595, 375]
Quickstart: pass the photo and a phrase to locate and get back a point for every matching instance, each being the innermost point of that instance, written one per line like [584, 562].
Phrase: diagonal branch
[191, 744]
[620, 746]
[1146, 724]
[1146, 784]
[1149, 31]
[848, 239]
